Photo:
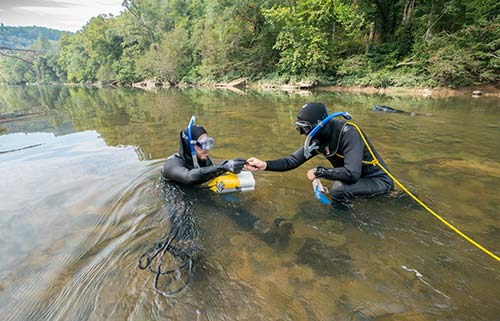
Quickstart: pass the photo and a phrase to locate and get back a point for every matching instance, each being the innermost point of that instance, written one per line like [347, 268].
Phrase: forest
[378, 43]
[24, 37]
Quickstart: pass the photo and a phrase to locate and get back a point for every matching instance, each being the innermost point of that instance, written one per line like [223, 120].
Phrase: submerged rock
[324, 259]
[277, 233]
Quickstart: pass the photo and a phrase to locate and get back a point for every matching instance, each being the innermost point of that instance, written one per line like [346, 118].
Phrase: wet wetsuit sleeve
[352, 146]
[174, 169]
[292, 161]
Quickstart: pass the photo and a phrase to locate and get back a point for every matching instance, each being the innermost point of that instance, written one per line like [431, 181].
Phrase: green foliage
[125, 67]
[148, 19]
[231, 41]
[382, 55]
[89, 54]
[74, 59]
[16, 72]
[171, 61]
[20, 67]
[452, 65]
[306, 37]
[365, 43]
[468, 57]
[355, 66]
[24, 37]
[105, 74]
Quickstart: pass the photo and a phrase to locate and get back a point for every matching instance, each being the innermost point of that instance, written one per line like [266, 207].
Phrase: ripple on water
[82, 207]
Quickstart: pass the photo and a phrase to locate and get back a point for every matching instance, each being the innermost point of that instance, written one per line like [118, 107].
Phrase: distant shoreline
[486, 90]
[436, 92]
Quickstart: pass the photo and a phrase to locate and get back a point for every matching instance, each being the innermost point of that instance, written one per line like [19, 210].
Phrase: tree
[307, 32]
[150, 18]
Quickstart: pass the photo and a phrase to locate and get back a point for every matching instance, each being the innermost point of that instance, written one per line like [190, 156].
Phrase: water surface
[80, 201]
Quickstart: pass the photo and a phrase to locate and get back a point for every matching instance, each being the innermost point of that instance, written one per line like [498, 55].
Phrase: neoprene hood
[184, 149]
[196, 131]
[312, 113]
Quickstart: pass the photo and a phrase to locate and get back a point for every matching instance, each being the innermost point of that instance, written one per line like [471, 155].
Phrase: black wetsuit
[179, 167]
[183, 238]
[343, 146]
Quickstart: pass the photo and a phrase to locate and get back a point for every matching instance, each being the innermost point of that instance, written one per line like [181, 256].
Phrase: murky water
[80, 202]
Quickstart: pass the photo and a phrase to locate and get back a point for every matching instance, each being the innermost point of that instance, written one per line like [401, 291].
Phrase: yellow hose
[375, 162]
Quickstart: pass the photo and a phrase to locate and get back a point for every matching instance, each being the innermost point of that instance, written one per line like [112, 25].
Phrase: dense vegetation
[365, 42]
[23, 37]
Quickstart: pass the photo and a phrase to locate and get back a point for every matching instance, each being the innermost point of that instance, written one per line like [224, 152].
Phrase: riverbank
[306, 87]
[438, 92]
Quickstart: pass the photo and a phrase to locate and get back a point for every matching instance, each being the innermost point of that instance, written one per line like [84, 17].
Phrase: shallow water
[80, 201]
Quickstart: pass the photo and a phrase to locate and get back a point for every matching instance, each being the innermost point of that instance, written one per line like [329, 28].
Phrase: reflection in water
[79, 208]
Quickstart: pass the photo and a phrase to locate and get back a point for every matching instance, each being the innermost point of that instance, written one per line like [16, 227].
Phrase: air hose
[375, 162]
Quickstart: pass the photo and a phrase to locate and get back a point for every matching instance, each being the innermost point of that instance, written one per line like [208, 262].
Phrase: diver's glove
[233, 165]
[324, 172]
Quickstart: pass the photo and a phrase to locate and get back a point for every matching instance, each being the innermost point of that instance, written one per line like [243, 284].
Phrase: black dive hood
[184, 144]
[316, 115]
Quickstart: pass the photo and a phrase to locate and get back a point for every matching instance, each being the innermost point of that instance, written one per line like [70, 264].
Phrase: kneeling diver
[352, 172]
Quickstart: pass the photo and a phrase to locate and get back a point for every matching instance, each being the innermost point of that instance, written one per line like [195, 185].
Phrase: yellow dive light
[229, 182]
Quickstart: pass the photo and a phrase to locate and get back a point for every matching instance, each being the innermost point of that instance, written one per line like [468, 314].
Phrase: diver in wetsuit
[343, 146]
[192, 169]
[190, 166]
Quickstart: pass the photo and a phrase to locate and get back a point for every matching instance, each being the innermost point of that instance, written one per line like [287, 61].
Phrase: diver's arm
[292, 161]
[175, 170]
[352, 146]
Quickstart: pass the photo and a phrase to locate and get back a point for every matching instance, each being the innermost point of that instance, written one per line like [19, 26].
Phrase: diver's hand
[255, 164]
[310, 175]
[233, 165]
[321, 171]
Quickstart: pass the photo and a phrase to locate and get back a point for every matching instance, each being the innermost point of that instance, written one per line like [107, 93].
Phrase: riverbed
[80, 202]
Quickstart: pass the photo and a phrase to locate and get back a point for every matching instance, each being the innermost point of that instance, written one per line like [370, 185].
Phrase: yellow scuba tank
[229, 182]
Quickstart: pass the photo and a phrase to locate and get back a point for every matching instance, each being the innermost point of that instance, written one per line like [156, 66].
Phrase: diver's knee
[337, 186]
[337, 191]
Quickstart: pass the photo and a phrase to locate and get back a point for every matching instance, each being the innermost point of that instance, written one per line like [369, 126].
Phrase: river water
[80, 202]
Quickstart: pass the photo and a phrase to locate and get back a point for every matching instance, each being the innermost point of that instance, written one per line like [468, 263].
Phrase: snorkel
[191, 142]
[308, 146]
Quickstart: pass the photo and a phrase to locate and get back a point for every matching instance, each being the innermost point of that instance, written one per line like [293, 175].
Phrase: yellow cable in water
[375, 162]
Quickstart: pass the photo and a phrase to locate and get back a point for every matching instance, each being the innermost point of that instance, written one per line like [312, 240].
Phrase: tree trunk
[371, 36]
[430, 23]
[408, 12]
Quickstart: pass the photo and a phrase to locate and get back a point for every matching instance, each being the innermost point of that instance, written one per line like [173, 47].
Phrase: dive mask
[206, 143]
[303, 127]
